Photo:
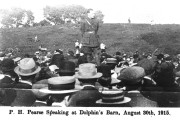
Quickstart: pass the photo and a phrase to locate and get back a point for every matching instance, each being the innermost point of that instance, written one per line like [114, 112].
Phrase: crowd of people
[139, 71]
[92, 70]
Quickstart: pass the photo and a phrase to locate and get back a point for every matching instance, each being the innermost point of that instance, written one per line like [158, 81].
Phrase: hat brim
[111, 62]
[126, 100]
[16, 70]
[17, 59]
[47, 91]
[66, 71]
[133, 64]
[98, 75]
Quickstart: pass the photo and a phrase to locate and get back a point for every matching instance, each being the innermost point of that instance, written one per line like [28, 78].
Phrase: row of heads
[28, 67]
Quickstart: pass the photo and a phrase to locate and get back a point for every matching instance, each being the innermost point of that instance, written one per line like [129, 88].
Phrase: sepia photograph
[96, 57]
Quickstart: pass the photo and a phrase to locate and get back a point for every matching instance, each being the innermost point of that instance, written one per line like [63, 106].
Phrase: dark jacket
[57, 60]
[20, 85]
[86, 97]
[7, 82]
[164, 74]
[82, 59]
[90, 39]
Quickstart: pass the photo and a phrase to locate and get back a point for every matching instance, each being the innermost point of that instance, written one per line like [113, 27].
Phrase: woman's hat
[27, 67]
[88, 71]
[7, 64]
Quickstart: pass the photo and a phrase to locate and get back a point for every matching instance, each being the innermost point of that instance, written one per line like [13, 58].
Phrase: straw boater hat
[60, 85]
[88, 71]
[27, 67]
[111, 95]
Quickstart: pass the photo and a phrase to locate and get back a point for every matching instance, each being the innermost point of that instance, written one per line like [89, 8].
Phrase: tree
[75, 12]
[17, 17]
[44, 23]
[53, 15]
[30, 18]
[62, 14]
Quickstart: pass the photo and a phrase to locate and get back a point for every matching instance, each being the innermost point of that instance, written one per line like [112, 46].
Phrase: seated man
[88, 96]
[27, 71]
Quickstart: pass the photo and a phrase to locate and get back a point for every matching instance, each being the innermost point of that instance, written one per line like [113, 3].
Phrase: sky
[115, 11]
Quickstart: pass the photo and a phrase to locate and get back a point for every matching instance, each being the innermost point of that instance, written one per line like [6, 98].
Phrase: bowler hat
[27, 67]
[68, 67]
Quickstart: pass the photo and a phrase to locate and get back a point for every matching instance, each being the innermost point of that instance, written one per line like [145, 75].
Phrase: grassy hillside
[117, 37]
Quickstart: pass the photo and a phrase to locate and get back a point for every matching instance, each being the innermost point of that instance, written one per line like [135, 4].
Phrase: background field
[117, 37]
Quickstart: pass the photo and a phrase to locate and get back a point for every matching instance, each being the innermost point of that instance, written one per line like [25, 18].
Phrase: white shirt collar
[7, 75]
[26, 82]
[88, 85]
[1, 76]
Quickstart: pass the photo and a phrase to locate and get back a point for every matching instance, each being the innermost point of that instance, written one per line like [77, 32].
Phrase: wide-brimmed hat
[111, 94]
[126, 100]
[27, 67]
[7, 64]
[60, 85]
[88, 71]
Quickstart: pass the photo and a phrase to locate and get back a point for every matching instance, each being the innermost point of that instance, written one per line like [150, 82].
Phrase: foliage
[68, 14]
[44, 23]
[62, 14]
[17, 17]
